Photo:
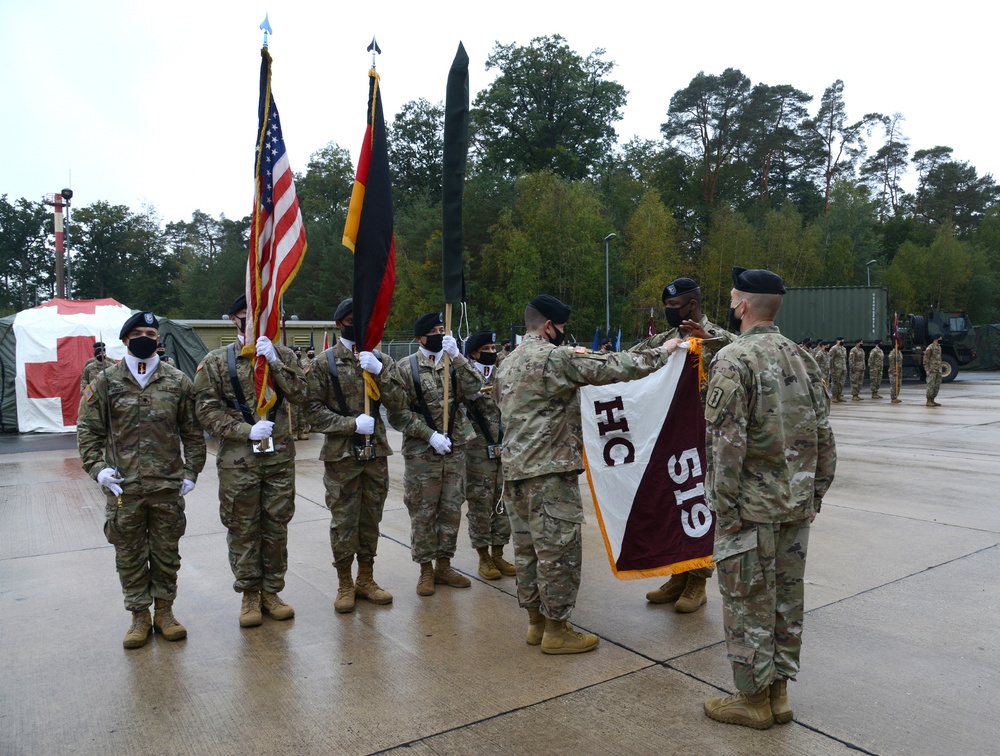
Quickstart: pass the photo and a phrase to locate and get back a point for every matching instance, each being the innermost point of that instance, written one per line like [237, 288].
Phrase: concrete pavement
[900, 645]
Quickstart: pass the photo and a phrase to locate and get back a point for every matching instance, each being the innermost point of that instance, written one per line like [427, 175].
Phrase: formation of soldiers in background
[835, 361]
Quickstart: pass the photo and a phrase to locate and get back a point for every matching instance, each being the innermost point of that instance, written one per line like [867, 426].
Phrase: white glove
[109, 478]
[370, 363]
[440, 442]
[261, 429]
[187, 486]
[449, 345]
[266, 349]
[366, 424]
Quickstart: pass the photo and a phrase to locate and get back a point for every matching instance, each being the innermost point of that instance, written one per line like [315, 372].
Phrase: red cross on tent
[61, 378]
[78, 306]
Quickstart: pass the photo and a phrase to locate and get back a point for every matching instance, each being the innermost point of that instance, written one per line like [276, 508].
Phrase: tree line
[758, 175]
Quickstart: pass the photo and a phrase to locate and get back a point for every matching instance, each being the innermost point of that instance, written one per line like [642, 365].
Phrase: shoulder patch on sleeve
[200, 366]
[580, 350]
[88, 393]
[720, 394]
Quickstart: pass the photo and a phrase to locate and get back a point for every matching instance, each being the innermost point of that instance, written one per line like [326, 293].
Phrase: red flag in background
[277, 236]
[368, 231]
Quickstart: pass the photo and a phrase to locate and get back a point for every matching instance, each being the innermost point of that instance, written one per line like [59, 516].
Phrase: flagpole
[447, 365]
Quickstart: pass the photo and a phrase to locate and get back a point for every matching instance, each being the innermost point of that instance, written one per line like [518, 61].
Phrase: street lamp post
[868, 267]
[607, 286]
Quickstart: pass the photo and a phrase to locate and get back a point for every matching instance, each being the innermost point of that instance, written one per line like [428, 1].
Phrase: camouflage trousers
[545, 517]
[433, 492]
[762, 602]
[145, 531]
[895, 383]
[483, 486]
[837, 378]
[933, 383]
[255, 505]
[857, 379]
[355, 496]
[875, 381]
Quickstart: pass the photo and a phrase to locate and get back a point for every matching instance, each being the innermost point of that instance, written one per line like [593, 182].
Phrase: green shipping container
[826, 312]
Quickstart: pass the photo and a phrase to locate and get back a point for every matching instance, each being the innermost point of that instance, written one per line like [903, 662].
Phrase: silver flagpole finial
[374, 48]
[266, 26]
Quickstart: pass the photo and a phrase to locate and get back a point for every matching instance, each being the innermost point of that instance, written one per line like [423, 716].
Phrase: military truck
[825, 312]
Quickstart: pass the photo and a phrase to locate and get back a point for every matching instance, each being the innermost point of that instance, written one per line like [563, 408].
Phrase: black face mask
[487, 358]
[735, 323]
[161, 353]
[558, 339]
[310, 354]
[673, 315]
[434, 343]
[142, 347]
[243, 324]
[100, 358]
[347, 332]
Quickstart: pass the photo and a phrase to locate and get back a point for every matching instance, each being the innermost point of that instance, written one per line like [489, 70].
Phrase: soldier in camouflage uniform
[682, 308]
[93, 366]
[137, 458]
[876, 368]
[542, 458]
[857, 362]
[932, 367]
[822, 356]
[895, 373]
[434, 478]
[764, 398]
[355, 457]
[256, 464]
[489, 526]
[838, 369]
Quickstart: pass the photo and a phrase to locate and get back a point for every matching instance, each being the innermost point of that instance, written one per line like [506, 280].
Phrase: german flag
[368, 231]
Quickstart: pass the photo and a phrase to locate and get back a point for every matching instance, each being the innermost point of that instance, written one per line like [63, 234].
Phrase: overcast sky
[156, 103]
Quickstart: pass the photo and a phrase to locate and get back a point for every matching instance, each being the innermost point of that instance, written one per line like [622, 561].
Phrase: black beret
[839, 338]
[297, 349]
[551, 308]
[139, 320]
[240, 303]
[344, 309]
[98, 346]
[679, 286]
[757, 281]
[426, 323]
[478, 340]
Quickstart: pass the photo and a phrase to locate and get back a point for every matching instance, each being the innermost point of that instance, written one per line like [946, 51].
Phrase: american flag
[277, 236]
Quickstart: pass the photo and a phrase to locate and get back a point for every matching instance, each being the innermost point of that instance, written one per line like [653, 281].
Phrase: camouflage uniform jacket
[149, 426]
[91, 369]
[772, 443]
[540, 401]
[323, 409]
[838, 358]
[822, 358]
[485, 405]
[876, 364]
[408, 418]
[858, 360]
[221, 419]
[932, 358]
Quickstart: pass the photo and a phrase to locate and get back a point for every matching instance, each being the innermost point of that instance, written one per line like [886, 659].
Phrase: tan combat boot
[367, 588]
[138, 632]
[250, 615]
[748, 710]
[505, 567]
[165, 622]
[897, 401]
[425, 583]
[487, 570]
[857, 398]
[344, 603]
[693, 597]
[273, 606]
[536, 626]
[445, 575]
[839, 398]
[780, 707]
[559, 637]
[876, 396]
[670, 591]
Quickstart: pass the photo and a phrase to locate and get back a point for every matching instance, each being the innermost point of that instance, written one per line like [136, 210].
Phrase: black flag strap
[424, 409]
[240, 404]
